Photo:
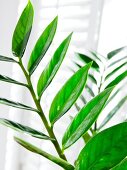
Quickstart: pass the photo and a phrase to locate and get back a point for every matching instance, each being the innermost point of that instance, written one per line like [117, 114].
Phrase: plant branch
[41, 113]
[52, 158]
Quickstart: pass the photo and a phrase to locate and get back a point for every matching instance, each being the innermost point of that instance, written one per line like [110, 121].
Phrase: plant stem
[41, 113]
[52, 158]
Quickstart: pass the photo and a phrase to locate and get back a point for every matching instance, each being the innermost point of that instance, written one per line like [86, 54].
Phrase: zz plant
[106, 149]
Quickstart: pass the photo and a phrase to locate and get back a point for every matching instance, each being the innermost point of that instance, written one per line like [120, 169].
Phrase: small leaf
[52, 158]
[24, 129]
[42, 46]
[115, 70]
[22, 31]
[117, 61]
[16, 104]
[117, 79]
[88, 59]
[97, 56]
[68, 94]
[9, 80]
[92, 78]
[113, 112]
[114, 52]
[53, 66]
[121, 166]
[114, 94]
[7, 59]
[85, 118]
[105, 150]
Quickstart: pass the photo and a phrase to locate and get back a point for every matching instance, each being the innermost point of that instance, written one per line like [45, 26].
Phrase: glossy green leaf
[42, 46]
[87, 59]
[9, 80]
[7, 59]
[37, 150]
[121, 166]
[85, 118]
[113, 112]
[115, 70]
[53, 66]
[16, 104]
[22, 31]
[114, 52]
[24, 129]
[105, 150]
[68, 94]
[117, 79]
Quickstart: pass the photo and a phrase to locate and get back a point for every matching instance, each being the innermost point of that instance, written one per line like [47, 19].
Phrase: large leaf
[16, 104]
[22, 31]
[85, 118]
[113, 112]
[68, 94]
[24, 129]
[9, 80]
[105, 150]
[52, 158]
[117, 79]
[53, 66]
[42, 46]
[114, 52]
[87, 59]
[121, 166]
[7, 59]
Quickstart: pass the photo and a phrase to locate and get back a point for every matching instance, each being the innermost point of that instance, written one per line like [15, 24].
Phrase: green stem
[41, 113]
[37, 150]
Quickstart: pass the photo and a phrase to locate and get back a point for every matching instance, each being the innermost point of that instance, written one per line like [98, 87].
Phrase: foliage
[106, 72]
[105, 149]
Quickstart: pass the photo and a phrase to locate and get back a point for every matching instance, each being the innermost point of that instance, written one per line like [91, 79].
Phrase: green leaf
[113, 112]
[9, 80]
[68, 94]
[114, 94]
[87, 59]
[16, 104]
[53, 66]
[42, 46]
[121, 166]
[114, 52]
[105, 150]
[7, 59]
[85, 118]
[117, 79]
[52, 158]
[117, 61]
[24, 129]
[98, 56]
[22, 31]
[92, 78]
[115, 70]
